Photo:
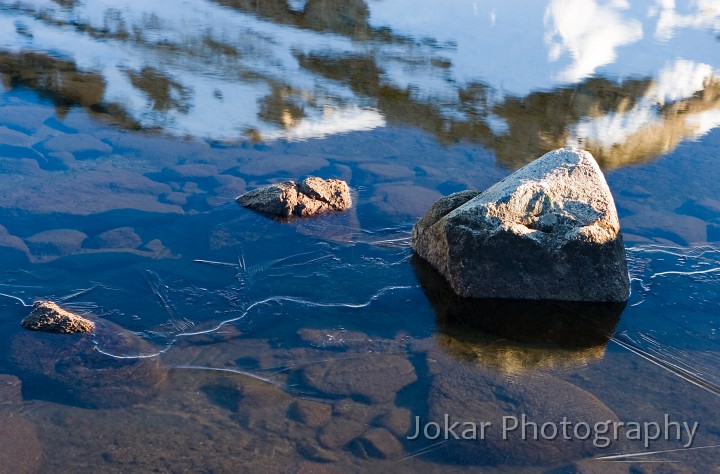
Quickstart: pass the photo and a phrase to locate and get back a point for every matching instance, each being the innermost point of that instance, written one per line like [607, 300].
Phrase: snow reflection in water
[476, 71]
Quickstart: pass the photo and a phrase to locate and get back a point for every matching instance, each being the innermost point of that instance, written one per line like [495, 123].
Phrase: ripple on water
[672, 317]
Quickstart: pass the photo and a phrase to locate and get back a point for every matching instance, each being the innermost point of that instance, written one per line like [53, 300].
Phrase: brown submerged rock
[472, 394]
[20, 448]
[47, 316]
[101, 369]
[310, 413]
[378, 443]
[311, 196]
[376, 377]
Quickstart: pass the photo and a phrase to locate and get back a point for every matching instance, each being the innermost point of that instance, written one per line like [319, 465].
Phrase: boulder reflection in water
[516, 335]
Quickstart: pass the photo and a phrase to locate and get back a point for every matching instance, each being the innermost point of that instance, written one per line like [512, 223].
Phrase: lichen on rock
[47, 316]
[309, 197]
[548, 231]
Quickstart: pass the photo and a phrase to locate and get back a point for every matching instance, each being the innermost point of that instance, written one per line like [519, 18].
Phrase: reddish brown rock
[313, 452]
[310, 413]
[378, 443]
[287, 199]
[340, 432]
[107, 368]
[376, 377]
[47, 316]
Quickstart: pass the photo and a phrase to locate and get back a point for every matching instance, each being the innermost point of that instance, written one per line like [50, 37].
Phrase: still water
[230, 342]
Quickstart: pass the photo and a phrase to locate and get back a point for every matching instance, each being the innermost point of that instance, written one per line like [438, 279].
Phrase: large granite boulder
[548, 231]
[311, 196]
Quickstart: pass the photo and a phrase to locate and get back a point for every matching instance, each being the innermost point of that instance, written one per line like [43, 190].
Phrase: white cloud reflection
[589, 32]
[433, 53]
[701, 14]
[679, 80]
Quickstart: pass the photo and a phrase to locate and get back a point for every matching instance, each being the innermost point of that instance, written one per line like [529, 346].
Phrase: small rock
[377, 377]
[48, 317]
[349, 409]
[332, 191]
[396, 420]
[263, 407]
[311, 451]
[704, 208]
[334, 338]
[403, 199]
[378, 443]
[311, 196]
[89, 376]
[120, 238]
[10, 390]
[13, 138]
[340, 432]
[312, 414]
[548, 231]
[56, 242]
[77, 143]
[676, 228]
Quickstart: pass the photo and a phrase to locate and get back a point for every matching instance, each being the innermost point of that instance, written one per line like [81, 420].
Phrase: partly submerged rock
[49, 317]
[107, 368]
[548, 231]
[311, 196]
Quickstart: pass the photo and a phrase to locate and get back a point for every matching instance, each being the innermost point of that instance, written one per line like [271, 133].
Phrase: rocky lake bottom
[230, 342]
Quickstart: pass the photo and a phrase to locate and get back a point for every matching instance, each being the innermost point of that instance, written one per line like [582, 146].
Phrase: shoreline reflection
[235, 70]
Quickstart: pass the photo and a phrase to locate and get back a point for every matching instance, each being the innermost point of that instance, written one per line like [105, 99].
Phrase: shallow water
[234, 343]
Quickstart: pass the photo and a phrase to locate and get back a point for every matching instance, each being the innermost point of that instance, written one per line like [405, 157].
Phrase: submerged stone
[20, 448]
[378, 443]
[310, 413]
[312, 451]
[533, 420]
[311, 196]
[47, 316]
[548, 231]
[107, 368]
[375, 377]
